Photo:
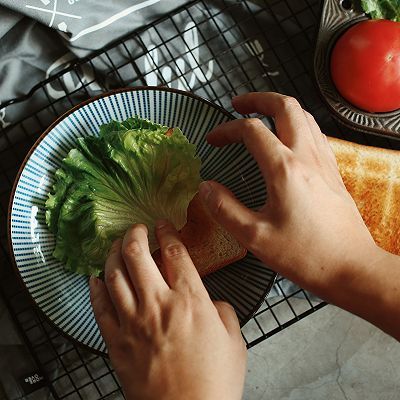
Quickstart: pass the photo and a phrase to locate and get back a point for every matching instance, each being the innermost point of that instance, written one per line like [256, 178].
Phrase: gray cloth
[38, 37]
[89, 25]
[34, 47]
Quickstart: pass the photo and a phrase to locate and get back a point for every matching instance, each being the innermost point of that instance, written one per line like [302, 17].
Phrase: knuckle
[112, 277]
[288, 103]
[101, 314]
[146, 328]
[174, 250]
[286, 165]
[309, 116]
[187, 304]
[253, 125]
[290, 161]
[120, 348]
[132, 249]
[255, 235]
[218, 205]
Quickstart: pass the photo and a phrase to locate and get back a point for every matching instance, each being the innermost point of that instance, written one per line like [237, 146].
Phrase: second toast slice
[209, 245]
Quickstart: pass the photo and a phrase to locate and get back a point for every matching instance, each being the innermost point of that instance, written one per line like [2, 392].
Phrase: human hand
[166, 339]
[309, 230]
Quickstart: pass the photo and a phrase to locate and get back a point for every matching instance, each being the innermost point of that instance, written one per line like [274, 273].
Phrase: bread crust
[372, 177]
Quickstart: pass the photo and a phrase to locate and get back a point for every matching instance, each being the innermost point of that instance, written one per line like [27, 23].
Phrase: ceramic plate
[64, 296]
[337, 16]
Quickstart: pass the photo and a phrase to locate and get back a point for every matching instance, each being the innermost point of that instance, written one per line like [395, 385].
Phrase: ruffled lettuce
[382, 9]
[135, 171]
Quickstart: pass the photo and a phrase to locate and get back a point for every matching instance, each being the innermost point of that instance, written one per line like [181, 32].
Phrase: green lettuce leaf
[382, 9]
[133, 172]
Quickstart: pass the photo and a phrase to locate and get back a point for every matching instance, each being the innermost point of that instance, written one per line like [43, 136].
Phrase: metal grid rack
[239, 48]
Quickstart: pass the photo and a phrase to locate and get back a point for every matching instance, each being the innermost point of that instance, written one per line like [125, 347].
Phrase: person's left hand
[165, 337]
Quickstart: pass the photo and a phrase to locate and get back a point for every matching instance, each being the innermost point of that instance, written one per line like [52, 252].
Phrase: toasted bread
[209, 245]
[372, 177]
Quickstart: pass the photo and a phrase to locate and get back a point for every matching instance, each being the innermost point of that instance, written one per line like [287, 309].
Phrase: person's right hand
[309, 230]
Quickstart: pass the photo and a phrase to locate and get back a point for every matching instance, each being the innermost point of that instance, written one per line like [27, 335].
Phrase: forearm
[369, 288]
[375, 293]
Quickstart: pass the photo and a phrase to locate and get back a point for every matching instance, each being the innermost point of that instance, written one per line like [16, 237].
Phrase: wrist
[335, 277]
[366, 284]
[351, 273]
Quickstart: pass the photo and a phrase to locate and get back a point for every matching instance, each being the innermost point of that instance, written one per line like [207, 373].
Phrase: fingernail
[205, 190]
[161, 223]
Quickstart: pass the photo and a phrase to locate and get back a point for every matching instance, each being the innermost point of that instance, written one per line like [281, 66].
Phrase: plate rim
[35, 305]
[335, 21]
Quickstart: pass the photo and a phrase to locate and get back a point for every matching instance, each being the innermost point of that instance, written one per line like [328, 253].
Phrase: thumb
[230, 213]
[228, 317]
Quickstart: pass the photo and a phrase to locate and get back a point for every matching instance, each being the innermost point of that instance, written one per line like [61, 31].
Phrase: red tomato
[365, 65]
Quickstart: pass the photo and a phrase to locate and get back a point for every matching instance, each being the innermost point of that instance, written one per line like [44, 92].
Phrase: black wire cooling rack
[254, 46]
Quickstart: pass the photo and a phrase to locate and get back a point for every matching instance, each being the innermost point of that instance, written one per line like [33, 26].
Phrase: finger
[143, 271]
[178, 267]
[228, 317]
[103, 309]
[330, 156]
[325, 153]
[318, 150]
[291, 125]
[118, 284]
[330, 144]
[330, 151]
[264, 146]
[315, 131]
[230, 213]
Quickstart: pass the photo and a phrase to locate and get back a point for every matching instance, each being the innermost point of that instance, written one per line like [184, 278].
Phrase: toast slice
[372, 177]
[209, 245]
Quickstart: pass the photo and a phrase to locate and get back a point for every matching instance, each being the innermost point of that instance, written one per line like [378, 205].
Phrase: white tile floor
[329, 355]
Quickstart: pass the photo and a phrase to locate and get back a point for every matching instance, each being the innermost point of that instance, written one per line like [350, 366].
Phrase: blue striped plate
[64, 296]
